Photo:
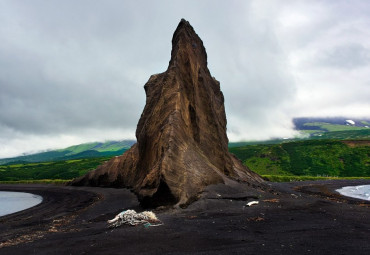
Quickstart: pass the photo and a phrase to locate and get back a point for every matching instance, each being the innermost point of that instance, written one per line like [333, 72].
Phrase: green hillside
[312, 128]
[311, 157]
[324, 153]
[81, 151]
[109, 146]
[340, 135]
[294, 160]
[63, 169]
[334, 127]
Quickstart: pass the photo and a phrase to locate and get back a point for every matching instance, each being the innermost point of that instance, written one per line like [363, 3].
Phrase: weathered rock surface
[182, 145]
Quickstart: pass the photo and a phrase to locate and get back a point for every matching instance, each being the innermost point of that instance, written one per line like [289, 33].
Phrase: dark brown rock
[182, 145]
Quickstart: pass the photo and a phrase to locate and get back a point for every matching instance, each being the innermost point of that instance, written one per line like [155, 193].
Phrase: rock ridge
[182, 145]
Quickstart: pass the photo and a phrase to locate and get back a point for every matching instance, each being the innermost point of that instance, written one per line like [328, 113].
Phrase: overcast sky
[73, 71]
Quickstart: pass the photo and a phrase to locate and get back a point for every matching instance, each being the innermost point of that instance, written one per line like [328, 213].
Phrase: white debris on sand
[131, 217]
[252, 203]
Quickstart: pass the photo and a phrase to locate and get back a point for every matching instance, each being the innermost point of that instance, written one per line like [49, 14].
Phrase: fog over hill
[72, 72]
[86, 150]
[359, 130]
[301, 123]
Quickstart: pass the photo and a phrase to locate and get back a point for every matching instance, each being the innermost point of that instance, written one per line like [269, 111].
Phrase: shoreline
[293, 218]
[12, 202]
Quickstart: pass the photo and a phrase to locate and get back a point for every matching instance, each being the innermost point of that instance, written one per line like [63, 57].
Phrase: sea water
[11, 202]
[361, 192]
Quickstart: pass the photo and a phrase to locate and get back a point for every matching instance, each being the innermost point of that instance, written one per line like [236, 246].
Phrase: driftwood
[131, 217]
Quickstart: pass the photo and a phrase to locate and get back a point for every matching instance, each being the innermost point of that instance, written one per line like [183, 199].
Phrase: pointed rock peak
[187, 46]
[184, 25]
[181, 135]
[184, 22]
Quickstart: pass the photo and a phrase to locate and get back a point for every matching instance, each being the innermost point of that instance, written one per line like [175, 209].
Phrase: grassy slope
[312, 158]
[279, 162]
[100, 147]
[334, 127]
[278, 159]
[323, 130]
[114, 148]
[81, 151]
[341, 135]
[64, 170]
[343, 132]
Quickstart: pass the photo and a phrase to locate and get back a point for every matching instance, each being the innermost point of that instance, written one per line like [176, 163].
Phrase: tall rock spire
[186, 43]
[182, 144]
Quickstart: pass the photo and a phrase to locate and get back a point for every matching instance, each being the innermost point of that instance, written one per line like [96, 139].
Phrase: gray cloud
[346, 56]
[74, 71]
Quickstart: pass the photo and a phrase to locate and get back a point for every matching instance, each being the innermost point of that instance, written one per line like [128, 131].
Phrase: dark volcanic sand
[298, 218]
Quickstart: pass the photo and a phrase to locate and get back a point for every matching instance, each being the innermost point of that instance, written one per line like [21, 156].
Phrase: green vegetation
[44, 181]
[293, 178]
[333, 127]
[341, 135]
[110, 146]
[81, 151]
[47, 172]
[354, 134]
[273, 141]
[317, 158]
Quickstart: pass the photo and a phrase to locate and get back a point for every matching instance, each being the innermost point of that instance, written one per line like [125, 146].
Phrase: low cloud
[345, 56]
[74, 71]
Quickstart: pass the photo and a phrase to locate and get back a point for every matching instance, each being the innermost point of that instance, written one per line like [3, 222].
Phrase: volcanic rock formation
[182, 144]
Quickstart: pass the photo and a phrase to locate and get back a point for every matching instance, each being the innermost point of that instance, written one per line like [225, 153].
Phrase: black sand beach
[294, 218]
